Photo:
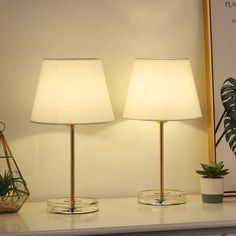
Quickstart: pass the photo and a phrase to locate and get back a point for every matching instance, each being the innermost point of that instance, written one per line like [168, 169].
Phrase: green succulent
[8, 184]
[213, 170]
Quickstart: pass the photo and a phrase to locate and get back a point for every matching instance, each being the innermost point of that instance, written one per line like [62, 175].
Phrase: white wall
[112, 160]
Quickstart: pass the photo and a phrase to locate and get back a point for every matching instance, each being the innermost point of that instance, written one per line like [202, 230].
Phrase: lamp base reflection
[81, 206]
[153, 197]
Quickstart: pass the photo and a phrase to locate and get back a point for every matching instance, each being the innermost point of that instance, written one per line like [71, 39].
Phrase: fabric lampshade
[72, 91]
[162, 90]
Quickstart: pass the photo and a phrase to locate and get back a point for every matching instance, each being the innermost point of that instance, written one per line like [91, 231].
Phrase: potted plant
[212, 181]
[13, 188]
[12, 194]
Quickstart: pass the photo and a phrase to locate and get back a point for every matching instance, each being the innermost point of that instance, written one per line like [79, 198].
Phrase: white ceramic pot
[212, 190]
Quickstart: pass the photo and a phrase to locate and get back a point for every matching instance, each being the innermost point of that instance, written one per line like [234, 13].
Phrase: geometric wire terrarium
[13, 189]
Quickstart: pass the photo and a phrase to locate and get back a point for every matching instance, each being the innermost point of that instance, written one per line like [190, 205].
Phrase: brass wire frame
[12, 203]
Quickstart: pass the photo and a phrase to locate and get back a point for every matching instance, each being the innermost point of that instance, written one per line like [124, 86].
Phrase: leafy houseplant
[12, 192]
[8, 185]
[212, 181]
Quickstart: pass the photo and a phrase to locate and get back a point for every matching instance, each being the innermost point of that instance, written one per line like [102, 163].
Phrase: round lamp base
[81, 206]
[152, 197]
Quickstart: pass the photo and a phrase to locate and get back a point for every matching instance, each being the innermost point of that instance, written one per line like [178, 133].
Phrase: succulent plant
[213, 170]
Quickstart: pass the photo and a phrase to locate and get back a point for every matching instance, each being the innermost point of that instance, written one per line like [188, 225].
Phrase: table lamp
[70, 92]
[162, 90]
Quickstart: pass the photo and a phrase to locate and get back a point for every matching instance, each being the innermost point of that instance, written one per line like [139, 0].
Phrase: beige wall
[112, 160]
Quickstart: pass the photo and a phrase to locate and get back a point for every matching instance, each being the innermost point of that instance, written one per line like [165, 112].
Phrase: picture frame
[219, 36]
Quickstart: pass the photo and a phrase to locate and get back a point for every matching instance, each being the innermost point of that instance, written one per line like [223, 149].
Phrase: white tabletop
[120, 215]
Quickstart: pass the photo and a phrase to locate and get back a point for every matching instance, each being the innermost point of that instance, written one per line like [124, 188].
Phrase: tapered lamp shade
[72, 91]
[162, 90]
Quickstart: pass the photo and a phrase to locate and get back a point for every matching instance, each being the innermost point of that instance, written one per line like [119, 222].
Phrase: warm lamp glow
[72, 91]
[162, 90]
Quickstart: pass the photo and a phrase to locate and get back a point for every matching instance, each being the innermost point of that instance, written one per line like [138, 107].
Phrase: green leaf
[8, 184]
[228, 97]
[213, 170]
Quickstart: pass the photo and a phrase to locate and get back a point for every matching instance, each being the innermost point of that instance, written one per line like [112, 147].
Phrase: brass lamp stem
[161, 161]
[72, 167]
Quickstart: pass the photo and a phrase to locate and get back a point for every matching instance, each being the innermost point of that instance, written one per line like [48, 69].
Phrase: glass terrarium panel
[13, 188]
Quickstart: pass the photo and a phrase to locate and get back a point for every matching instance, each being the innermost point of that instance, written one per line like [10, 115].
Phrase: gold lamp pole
[161, 162]
[72, 167]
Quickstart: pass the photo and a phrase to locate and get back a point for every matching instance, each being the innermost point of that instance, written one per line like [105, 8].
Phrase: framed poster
[220, 51]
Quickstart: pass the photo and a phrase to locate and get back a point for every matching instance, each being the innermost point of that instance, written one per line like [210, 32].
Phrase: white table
[126, 216]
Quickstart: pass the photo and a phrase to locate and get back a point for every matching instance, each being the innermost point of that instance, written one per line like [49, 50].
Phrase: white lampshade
[162, 90]
[72, 91]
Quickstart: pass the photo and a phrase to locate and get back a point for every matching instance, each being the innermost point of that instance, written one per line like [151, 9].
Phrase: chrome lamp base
[153, 197]
[81, 206]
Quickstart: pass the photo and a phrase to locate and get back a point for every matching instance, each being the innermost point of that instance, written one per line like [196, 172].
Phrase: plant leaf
[8, 184]
[213, 170]
[228, 97]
